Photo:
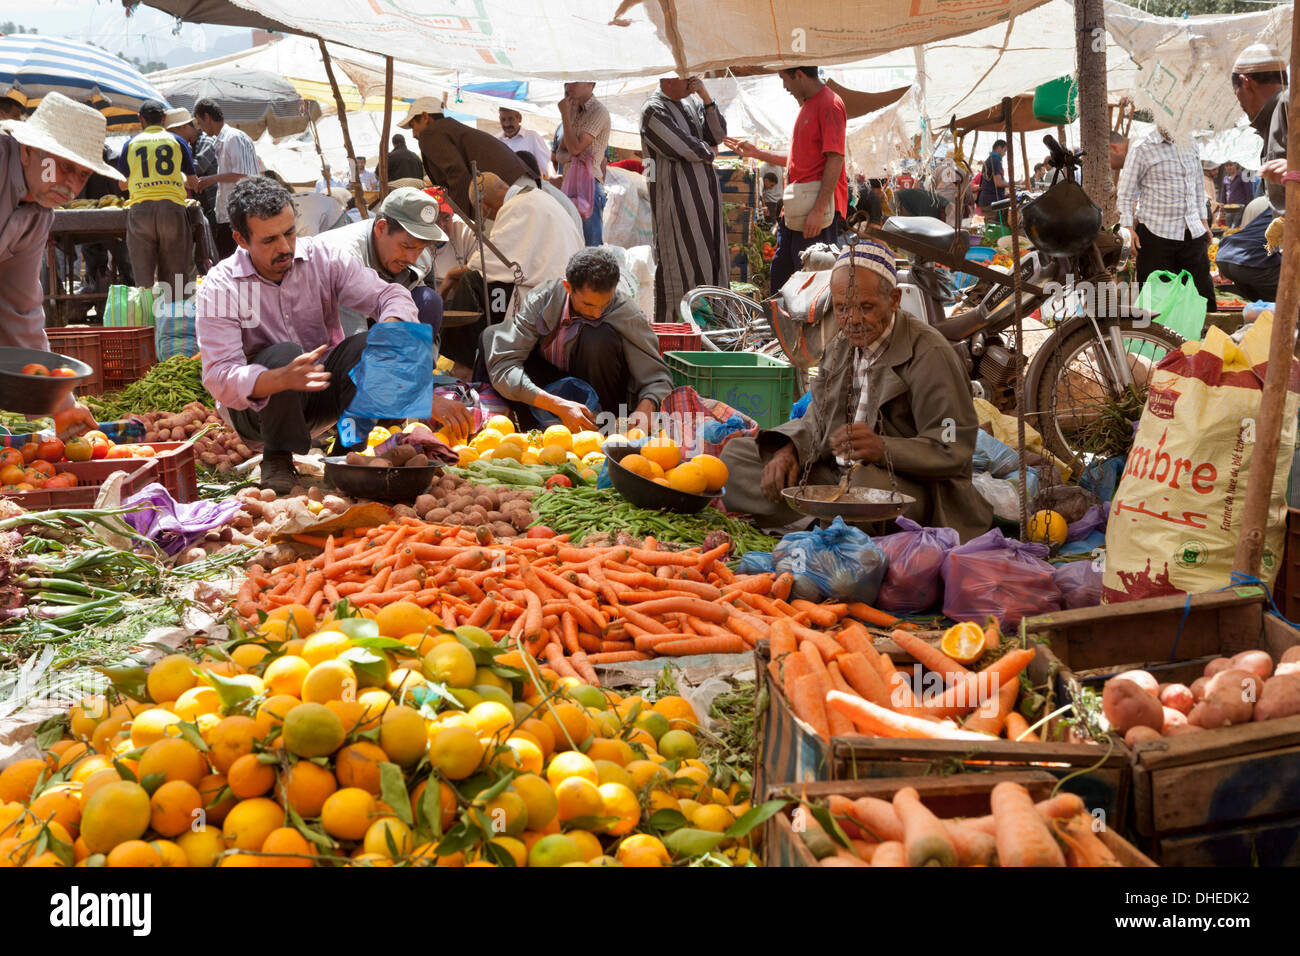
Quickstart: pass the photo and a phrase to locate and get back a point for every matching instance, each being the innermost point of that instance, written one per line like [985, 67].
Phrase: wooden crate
[739, 199]
[789, 751]
[1226, 797]
[965, 795]
[1099, 777]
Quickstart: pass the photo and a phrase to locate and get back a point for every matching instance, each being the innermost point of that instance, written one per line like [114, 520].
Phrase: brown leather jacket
[449, 146]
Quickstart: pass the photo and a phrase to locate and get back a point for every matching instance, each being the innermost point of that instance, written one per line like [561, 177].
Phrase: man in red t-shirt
[816, 156]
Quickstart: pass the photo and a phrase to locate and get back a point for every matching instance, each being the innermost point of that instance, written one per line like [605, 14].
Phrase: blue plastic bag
[714, 432]
[1103, 477]
[800, 408]
[915, 557]
[756, 562]
[394, 378]
[573, 390]
[997, 458]
[838, 563]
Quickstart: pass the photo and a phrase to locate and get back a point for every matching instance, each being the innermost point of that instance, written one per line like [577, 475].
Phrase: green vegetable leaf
[153, 781]
[190, 733]
[382, 644]
[62, 850]
[662, 820]
[318, 837]
[431, 807]
[358, 627]
[128, 678]
[230, 693]
[595, 823]
[461, 837]
[51, 730]
[124, 771]
[392, 789]
[754, 817]
[498, 854]
[689, 841]
[372, 669]
[828, 822]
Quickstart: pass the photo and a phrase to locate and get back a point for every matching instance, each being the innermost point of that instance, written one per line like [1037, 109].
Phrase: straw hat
[1260, 58]
[177, 117]
[68, 130]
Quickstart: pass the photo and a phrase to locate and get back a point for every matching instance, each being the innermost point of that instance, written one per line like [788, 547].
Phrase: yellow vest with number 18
[154, 166]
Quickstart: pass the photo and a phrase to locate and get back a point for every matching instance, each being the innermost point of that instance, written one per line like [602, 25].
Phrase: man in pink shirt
[816, 156]
[274, 354]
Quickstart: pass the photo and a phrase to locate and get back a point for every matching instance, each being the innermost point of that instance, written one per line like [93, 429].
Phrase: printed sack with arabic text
[1175, 519]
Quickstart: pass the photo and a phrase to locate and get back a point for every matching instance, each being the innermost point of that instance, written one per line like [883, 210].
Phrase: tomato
[10, 456]
[24, 486]
[35, 477]
[78, 449]
[100, 449]
[119, 451]
[62, 373]
[50, 450]
[42, 466]
[558, 481]
[35, 368]
[540, 531]
[12, 474]
[143, 451]
[31, 451]
[63, 479]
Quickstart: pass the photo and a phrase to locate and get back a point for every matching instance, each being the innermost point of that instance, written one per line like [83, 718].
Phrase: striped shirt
[235, 154]
[592, 117]
[1162, 186]
[863, 359]
[557, 345]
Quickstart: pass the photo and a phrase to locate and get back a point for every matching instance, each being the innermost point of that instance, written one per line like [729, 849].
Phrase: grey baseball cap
[416, 211]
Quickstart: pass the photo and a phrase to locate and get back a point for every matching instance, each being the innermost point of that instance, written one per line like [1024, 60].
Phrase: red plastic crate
[178, 470]
[678, 336]
[125, 354]
[83, 348]
[90, 476]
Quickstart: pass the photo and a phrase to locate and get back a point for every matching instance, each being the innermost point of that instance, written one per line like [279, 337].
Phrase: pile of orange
[660, 460]
[379, 740]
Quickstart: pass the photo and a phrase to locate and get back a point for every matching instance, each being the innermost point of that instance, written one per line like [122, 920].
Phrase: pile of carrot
[573, 607]
[1053, 832]
[839, 684]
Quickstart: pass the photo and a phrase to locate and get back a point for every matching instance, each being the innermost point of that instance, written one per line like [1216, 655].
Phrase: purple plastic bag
[579, 184]
[996, 576]
[174, 526]
[1094, 519]
[1079, 583]
[912, 583]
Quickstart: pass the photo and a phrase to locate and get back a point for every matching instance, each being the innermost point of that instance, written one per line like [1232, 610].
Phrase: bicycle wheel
[729, 321]
[1084, 404]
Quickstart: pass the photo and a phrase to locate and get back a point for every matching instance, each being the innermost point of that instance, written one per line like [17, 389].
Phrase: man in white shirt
[517, 138]
[1162, 208]
[236, 158]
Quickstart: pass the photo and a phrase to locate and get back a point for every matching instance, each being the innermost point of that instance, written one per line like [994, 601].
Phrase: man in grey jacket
[892, 395]
[581, 327]
[1259, 81]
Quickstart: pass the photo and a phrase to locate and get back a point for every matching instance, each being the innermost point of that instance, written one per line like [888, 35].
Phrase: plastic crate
[90, 476]
[177, 468]
[124, 354]
[85, 348]
[677, 336]
[760, 386]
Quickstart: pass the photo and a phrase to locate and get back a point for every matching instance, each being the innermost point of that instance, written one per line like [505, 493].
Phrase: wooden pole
[1093, 106]
[357, 194]
[1281, 351]
[1024, 157]
[1014, 219]
[388, 122]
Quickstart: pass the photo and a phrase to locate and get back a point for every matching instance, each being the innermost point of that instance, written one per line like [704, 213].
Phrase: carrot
[843, 857]
[890, 853]
[702, 645]
[974, 848]
[900, 691]
[930, 656]
[869, 615]
[749, 584]
[569, 633]
[724, 574]
[585, 671]
[837, 680]
[809, 650]
[881, 722]
[864, 849]
[924, 836]
[618, 657]
[1023, 837]
[863, 678]
[656, 558]
[991, 716]
[826, 645]
[1082, 846]
[1059, 807]
[782, 641]
[555, 657]
[314, 541]
[965, 694]
[651, 582]
[992, 636]
[876, 817]
[652, 642]
[854, 639]
[696, 607]
[1018, 728]
[782, 586]
[817, 614]
[748, 626]
[809, 703]
[640, 620]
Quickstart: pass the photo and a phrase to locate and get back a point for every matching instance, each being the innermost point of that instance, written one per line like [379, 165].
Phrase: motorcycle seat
[927, 229]
[959, 326]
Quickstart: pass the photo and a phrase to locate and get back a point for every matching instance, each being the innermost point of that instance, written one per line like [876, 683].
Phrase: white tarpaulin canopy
[602, 39]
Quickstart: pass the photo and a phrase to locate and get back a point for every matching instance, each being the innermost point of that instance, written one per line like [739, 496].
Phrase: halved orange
[963, 642]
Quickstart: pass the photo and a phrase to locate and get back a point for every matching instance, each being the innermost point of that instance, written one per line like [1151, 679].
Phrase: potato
[1288, 668]
[1216, 665]
[437, 515]
[484, 502]
[1139, 734]
[335, 503]
[1291, 655]
[400, 454]
[1238, 682]
[315, 493]
[418, 461]
[1208, 715]
[1179, 697]
[1257, 662]
[1173, 718]
[503, 530]
[495, 517]
[1199, 687]
[1143, 679]
[378, 462]
[1279, 698]
[460, 503]
[404, 511]
[1126, 705]
[1187, 728]
[425, 503]
[254, 507]
[242, 451]
[356, 458]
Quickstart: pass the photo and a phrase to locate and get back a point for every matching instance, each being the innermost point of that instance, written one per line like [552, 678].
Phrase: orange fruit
[104, 731]
[152, 725]
[73, 754]
[115, 813]
[618, 801]
[641, 849]
[540, 732]
[19, 778]
[402, 618]
[688, 477]
[329, 680]
[567, 723]
[554, 850]
[175, 758]
[681, 715]
[133, 853]
[306, 787]
[963, 642]
[357, 765]
[271, 713]
[171, 853]
[347, 813]
[194, 703]
[664, 452]
[638, 465]
[285, 675]
[249, 822]
[289, 841]
[312, 730]
[93, 783]
[248, 777]
[381, 831]
[578, 797]
[247, 655]
[210, 788]
[170, 677]
[1047, 527]
[571, 763]
[446, 798]
[402, 735]
[201, 845]
[231, 739]
[303, 622]
[173, 807]
[715, 471]
[60, 803]
[456, 752]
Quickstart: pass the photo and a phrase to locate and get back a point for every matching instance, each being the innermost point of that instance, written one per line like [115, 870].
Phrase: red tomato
[50, 450]
[63, 479]
[30, 451]
[100, 449]
[62, 373]
[540, 531]
[35, 477]
[10, 456]
[43, 467]
[558, 481]
[35, 368]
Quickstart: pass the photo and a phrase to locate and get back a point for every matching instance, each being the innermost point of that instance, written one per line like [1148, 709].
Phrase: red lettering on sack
[1211, 474]
[1160, 402]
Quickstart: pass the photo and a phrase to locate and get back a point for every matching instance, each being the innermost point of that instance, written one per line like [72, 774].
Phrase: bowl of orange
[638, 474]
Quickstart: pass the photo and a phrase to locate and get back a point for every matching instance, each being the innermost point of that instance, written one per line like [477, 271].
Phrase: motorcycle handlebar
[1006, 203]
[1060, 156]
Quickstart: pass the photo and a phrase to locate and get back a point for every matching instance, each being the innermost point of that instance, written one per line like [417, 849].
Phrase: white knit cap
[869, 254]
[1259, 58]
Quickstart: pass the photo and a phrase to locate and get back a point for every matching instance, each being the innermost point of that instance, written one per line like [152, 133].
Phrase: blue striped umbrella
[36, 64]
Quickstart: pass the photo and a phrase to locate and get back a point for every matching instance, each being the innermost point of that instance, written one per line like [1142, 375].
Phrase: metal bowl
[37, 394]
[643, 492]
[402, 485]
[857, 504]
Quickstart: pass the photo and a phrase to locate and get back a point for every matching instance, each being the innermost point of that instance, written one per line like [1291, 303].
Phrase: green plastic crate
[759, 386]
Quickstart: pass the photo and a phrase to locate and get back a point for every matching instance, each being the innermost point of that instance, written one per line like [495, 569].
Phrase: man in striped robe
[679, 137]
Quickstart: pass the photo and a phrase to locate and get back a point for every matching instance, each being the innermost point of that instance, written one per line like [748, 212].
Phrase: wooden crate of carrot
[872, 720]
[1006, 818]
[575, 608]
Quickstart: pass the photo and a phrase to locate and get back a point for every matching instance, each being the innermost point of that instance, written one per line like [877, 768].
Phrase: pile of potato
[399, 456]
[453, 500]
[1234, 690]
[220, 449]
